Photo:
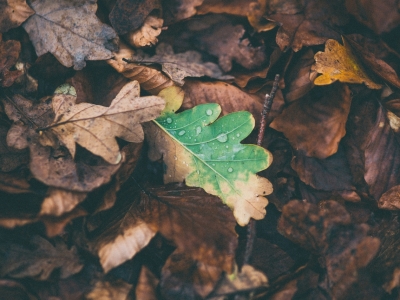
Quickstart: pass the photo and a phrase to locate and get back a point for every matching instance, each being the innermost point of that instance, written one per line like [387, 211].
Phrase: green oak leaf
[207, 153]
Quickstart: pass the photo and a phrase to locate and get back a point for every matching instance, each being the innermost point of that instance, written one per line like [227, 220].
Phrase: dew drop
[238, 134]
[226, 147]
[209, 112]
[169, 120]
[213, 165]
[195, 140]
[230, 170]
[222, 137]
[198, 130]
[182, 132]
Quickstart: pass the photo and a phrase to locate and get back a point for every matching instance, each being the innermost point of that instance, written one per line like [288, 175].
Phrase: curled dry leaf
[229, 48]
[110, 290]
[9, 53]
[129, 15]
[13, 13]
[306, 23]
[147, 34]
[59, 202]
[95, 127]
[209, 154]
[390, 199]
[328, 231]
[255, 15]
[70, 31]
[319, 135]
[40, 260]
[180, 65]
[196, 222]
[339, 63]
[149, 78]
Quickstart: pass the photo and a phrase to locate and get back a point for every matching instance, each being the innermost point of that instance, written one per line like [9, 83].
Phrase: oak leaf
[9, 53]
[95, 127]
[209, 155]
[40, 261]
[339, 63]
[147, 34]
[13, 13]
[177, 66]
[197, 223]
[70, 31]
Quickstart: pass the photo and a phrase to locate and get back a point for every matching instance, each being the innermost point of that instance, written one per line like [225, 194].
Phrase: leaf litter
[93, 207]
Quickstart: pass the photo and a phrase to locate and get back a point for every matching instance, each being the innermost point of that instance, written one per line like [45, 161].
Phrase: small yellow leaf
[339, 63]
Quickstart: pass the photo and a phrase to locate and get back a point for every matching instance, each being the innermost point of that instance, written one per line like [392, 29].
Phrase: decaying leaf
[95, 127]
[256, 17]
[197, 223]
[209, 154]
[146, 288]
[147, 34]
[59, 202]
[9, 53]
[39, 261]
[339, 63]
[13, 13]
[177, 10]
[149, 78]
[106, 290]
[180, 65]
[319, 135]
[70, 31]
[305, 23]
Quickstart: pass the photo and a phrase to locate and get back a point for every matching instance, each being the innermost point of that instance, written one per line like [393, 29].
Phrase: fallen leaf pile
[130, 162]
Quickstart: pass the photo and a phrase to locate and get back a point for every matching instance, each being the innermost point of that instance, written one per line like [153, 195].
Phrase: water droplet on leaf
[198, 130]
[222, 137]
[169, 120]
[182, 132]
[209, 112]
[230, 170]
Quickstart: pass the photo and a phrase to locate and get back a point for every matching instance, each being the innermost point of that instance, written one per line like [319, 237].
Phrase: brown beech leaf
[70, 31]
[9, 53]
[147, 34]
[95, 127]
[229, 48]
[149, 78]
[339, 63]
[198, 224]
[58, 201]
[328, 231]
[39, 260]
[379, 16]
[110, 290]
[180, 65]
[316, 123]
[306, 23]
[373, 146]
[129, 15]
[13, 13]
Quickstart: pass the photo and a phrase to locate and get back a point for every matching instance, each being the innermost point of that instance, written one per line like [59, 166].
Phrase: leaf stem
[251, 228]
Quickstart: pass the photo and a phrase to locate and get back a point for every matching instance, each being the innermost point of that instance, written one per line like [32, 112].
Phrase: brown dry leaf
[10, 289]
[95, 127]
[9, 53]
[232, 7]
[305, 23]
[147, 34]
[177, 66]
[390, 199]
[183, 277]
[54, 167]
[256, 17]
[177, 10]
[149, 78]
[328, 231]
[106, 290]
[228, 48]
[129, 15]
[13, 13]
[339, 63]
[39, 260]
[198, 224]
[146, 287]
[246, 280]
[70, 31]
[380, 16]
[58, 202]
[373, 147]
[377, 65]
[316, 123]
[227, 95]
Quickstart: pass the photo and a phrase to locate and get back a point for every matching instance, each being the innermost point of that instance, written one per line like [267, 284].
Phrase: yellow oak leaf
[339, 63]
[95, 127]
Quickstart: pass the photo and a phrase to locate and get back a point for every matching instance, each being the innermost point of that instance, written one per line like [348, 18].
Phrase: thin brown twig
[251, 228]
